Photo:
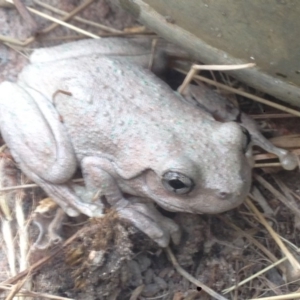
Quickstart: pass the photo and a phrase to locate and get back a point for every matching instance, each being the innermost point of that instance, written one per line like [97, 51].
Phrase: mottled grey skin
[125, 129]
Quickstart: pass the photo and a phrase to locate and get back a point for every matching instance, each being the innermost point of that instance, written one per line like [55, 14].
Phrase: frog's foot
[146, 218]
[49, 224]
[287, 159]
[65, 195]
[139, 211]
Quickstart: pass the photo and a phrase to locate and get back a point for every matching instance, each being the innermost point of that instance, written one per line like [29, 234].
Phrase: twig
[7, 39]
[153, 49]
[81, 31]
[190, 278]
[42, 261]
[35, 294]
[69, 16]
[4, 4]
[294, 263]
[291, 205]
[264, 156]
[223, 67]
[79, 19]
[15, 289]
[257, 196]
[280, 297]
[245, 94]
[266, 269]
[268, 165]
[22, 230]
[9, 243]
[188, 78]
[62, 38]
[250, 96]
[6, 225]
[31, 185]
[23, 11]
[15, 48]
[18, 187]
[272, 116]
[251, 239]
[195, 68]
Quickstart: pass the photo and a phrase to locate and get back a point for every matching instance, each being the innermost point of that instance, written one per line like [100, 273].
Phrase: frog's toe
[71, 212]
[97, 212]
[173, 229]
[147, 219]
[147, 225]
[162, 241]
[49, 226]
[91, 210]
[288, 161]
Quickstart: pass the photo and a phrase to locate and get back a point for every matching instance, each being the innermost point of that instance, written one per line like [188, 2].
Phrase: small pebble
[163, 273]
[161, 282]
[151, 290]
[136, 274]
[144, 262]
[148, 277]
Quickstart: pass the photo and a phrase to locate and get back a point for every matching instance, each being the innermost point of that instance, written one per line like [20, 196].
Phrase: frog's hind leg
[32, 129]
[72, 198]
[39, 143]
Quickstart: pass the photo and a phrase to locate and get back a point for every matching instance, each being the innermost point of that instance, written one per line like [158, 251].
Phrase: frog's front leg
[139, 211]
[287, 159]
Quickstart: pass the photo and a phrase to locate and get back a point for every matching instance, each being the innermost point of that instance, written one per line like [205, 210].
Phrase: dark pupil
[176, 184]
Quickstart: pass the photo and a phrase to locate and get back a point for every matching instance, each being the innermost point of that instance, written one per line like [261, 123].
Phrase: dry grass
[272, 252]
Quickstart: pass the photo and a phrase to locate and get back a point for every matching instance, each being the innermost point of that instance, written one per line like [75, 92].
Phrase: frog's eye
[247, 138]
[177, 183]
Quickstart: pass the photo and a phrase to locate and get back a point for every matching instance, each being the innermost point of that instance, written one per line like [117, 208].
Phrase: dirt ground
[110, 259]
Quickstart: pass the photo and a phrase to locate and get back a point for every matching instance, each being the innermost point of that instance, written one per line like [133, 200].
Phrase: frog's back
[113, 107]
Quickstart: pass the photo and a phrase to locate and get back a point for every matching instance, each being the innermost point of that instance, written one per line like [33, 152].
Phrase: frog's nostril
[223, 195]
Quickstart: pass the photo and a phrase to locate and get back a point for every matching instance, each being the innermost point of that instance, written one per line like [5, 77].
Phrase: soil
[110, 259]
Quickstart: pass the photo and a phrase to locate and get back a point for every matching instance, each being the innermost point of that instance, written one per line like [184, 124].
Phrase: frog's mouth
[199, 201]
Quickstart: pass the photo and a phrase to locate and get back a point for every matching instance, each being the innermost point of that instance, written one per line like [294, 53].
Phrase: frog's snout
[229, 196]
[219, 201]
[223, 195]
